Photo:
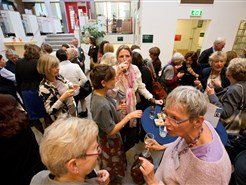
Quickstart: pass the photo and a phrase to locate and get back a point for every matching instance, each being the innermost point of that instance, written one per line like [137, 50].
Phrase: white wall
[159, 18]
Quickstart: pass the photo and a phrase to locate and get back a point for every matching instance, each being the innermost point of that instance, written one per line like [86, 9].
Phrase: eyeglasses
[174, 121]
[99, 151]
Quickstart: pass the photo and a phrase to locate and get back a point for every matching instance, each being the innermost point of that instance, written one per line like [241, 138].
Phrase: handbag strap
[151, 73]
[242, 106]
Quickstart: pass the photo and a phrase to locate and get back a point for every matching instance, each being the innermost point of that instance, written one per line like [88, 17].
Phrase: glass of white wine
[147, 140]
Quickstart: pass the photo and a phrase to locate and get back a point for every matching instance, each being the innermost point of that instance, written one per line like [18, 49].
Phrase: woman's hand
[122, 68]
[192, 72]
[216, 83]
[159, 102]
[103, 177]
[76, 87]
[67, 94]
[198, 83]
[209, 90]
[147, 168]
[135, 114]
[154, 145]
[180, 74]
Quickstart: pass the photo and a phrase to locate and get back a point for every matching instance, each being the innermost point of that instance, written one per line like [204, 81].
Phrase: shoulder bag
[237, 120]
[85, 90]
[157, 90]
[236, 129]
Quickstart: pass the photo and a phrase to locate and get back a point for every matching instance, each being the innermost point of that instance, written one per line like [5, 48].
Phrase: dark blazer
[81, 56]
[204, 57]
[205, 75]
[157, 65]
[20, 158]
[27, 76]
[188, 79]
[93, 50]
[7, 86]
[10, 65]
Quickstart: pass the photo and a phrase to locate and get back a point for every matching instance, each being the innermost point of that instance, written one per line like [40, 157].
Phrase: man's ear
[72, 166]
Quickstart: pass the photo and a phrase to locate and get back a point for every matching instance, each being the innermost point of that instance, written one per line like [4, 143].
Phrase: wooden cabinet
[17, 46]
[240, 40]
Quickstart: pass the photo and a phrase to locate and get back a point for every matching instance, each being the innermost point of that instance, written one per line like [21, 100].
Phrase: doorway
[189, 35]
[76, 11]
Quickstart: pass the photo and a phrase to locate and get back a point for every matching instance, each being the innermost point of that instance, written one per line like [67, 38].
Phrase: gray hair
[220, 40]
[177, 56]
[189, 99]
[109, 59]
[237, 69]
[64, 140]
[9, 52]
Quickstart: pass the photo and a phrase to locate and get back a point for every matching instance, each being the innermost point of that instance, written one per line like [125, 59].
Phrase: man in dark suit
[218, 45]
[12, 58]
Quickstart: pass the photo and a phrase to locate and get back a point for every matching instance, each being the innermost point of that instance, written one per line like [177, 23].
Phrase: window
[119, 10]
[118, 16]
[40, 9]
[56, 10]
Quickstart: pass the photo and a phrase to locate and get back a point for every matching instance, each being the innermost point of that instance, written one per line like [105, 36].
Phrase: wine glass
[152, 112]
[147, 140]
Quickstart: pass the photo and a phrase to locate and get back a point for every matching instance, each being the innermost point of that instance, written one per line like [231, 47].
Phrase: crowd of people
[43, 90]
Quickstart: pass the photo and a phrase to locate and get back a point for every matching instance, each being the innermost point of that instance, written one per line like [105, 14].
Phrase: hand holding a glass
[147, 140]
[135, 114]
[122, 67]
[154, 145]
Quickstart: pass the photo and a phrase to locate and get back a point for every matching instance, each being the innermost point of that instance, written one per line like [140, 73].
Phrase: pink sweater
[192, 170]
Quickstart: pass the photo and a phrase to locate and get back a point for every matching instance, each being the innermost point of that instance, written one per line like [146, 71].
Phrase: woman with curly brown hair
[191, 69]
[19, 156]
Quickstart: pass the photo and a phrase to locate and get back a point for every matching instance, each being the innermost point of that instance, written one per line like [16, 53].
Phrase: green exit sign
[196, 13]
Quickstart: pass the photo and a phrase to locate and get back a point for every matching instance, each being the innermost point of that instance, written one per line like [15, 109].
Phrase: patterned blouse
[50, 96]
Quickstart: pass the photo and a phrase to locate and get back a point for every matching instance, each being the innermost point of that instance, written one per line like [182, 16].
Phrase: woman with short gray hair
[170, 75]
[69, 150]
[197, 156]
